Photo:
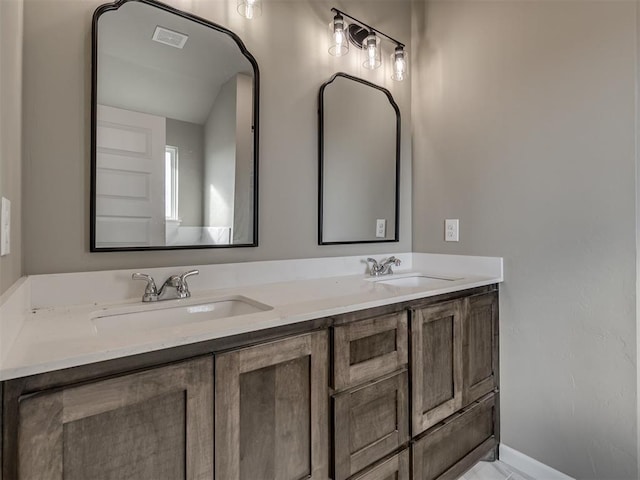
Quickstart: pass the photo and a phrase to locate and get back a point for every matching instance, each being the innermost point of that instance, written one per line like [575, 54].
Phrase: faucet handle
[151, 291]
[394, 260]
[183, 281]
[375, 268]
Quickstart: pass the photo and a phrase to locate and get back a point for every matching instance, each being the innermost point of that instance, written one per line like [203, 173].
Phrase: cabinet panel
[448, 450]
[394, 468]
[436, 343]
[272, 410]
[154, 425]
[368, 349]
[369, 423]
[480, 347]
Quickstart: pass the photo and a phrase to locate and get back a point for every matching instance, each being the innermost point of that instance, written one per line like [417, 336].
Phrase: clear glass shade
[371, 52]
[338, 37]
[400, 63]
[250, 8]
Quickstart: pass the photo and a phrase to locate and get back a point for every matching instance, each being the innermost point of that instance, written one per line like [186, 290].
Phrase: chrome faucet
[384, 267]
[178, 282]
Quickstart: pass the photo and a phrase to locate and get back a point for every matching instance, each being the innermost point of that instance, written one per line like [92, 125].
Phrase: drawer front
[368, 349]
[452, 447]
[394, 468]
[369, 422]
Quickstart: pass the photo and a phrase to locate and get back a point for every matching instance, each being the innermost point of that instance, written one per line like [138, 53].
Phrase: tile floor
[494, 471]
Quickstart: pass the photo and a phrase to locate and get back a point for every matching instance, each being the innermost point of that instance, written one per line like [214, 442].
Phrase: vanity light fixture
[367, 39]
[338, 42]
[250, 8]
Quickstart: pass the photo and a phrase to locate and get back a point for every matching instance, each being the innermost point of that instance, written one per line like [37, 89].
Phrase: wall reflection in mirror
[175, 146]
[359, 150]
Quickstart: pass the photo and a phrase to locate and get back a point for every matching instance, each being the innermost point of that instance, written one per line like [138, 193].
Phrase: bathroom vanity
[405, 389]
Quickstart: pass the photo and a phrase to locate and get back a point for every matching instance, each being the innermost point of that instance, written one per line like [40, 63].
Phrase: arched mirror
[359, 162]
[174, 131]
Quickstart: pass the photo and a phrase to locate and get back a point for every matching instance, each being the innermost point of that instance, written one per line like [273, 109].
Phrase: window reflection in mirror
[359, 162]
[175, 139]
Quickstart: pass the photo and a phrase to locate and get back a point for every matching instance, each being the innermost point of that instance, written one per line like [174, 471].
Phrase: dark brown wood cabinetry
[369, 348]
[271, 407]
[404, 391]
[153, 425]
[395, 468]
[454, 385]
[455, 445]
[436, 363]
[480, 357]
[369, 422]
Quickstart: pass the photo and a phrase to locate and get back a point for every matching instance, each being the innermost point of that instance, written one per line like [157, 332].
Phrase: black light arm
[399, 44]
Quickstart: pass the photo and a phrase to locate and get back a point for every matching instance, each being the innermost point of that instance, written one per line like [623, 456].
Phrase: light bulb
[371, 54]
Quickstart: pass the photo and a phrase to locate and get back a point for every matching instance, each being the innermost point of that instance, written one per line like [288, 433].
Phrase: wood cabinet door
[369, 422]
[151, 425]
[368, 349]
[436, 363]
[272, 410]
[480, 347]
[394, 468]
[448, 450]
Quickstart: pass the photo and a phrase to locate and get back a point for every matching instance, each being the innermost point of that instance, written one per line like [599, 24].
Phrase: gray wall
[523, 128]
[189, 138]
[290, 44]
[11, 28]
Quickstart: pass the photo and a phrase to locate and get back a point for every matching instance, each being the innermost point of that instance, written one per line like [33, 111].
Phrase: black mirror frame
[94, 103]
[321, 159]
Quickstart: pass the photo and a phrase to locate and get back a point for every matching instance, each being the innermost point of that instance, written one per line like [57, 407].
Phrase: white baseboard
[530, 466]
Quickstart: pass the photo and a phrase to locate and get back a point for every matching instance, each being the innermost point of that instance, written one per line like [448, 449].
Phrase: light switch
[5, 227]
[381, 228]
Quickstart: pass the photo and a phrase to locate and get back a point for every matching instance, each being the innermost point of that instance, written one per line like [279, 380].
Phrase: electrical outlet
[451, 230]
[5, 228]
[381, 228]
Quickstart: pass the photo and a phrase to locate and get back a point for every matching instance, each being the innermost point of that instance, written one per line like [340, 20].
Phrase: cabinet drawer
[369, 422]
[396, 468]
[449, 449]
[368, 349]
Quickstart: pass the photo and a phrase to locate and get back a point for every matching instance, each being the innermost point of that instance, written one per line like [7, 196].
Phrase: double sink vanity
[298, 369]
[331, 375]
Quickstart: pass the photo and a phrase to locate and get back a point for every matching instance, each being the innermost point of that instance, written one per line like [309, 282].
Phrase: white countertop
[47, 338]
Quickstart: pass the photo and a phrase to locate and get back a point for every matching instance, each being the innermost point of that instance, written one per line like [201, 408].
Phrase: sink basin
[173, 313]
[415, 280]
